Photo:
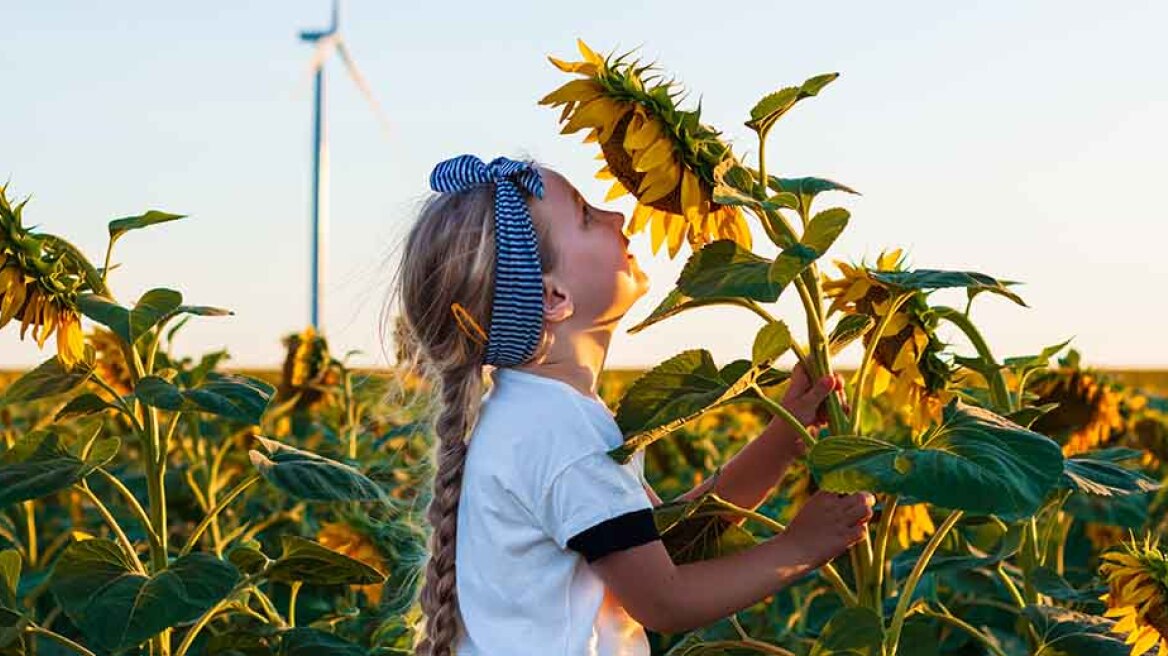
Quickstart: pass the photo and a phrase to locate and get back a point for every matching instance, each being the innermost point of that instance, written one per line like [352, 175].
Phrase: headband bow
[517, 305]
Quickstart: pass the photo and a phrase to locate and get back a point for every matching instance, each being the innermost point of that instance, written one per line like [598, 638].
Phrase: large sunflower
[660, 154]
[1137, 597]
[1088, 411]
[906, 362]
[38, 285]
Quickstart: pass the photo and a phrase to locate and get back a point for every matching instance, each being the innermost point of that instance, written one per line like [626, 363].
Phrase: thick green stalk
[132, 502]
[883, 529]
[893, 636]
[30, 532]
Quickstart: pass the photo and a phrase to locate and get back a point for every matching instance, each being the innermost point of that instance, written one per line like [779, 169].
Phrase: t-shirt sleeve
[595, 506]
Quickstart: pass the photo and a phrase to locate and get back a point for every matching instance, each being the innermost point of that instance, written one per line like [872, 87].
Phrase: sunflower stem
[914, 577]
[997, 383]
[883, 530]
[240, 488]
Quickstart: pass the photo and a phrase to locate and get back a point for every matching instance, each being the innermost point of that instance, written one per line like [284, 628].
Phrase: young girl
[541, 543]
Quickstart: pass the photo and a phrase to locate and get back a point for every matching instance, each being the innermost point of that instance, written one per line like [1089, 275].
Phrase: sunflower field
[158, 503]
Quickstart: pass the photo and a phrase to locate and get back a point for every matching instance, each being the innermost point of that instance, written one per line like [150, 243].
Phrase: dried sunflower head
[39, 283]
[1088, 410]
[1137, 595]
[907, 362]
[307, 369]
[109, 360]
[659, 153]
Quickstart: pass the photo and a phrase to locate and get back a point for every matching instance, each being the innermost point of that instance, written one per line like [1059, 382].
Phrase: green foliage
[118, 607]
[306, 475]
[974, 461]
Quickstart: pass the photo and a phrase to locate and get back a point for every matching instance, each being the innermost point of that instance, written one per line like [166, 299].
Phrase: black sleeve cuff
[631, 529]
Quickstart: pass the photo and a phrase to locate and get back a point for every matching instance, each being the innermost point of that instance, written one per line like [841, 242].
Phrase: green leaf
[154, 306]
[9, 577]
[83, 405]
[961, 561]
[671, 394]
[1048, 582]
[48, 467]
[1026, 363]
[1030, 414]
[676, 302]
[806, 189]
[303, 641]
[974, 461]
[771, 341]
[851, 632]
[723, 268]
[701, 529]
[119, 227]
[1069, 633]
[1088, 474]
[118, 608]
[849, 328]
[311, 562]
[1128, 511]
[227, 395]
[929, 279]
[306, 475]
[248, 557]
[12, 626]
[821, 233]
[49, 378]
[772, 106]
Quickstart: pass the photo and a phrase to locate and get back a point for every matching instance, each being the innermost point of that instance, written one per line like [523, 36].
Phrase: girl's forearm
[750, 476]
[706, 591]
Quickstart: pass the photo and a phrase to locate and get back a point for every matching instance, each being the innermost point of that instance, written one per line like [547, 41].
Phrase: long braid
[461, 389]
[448, 257]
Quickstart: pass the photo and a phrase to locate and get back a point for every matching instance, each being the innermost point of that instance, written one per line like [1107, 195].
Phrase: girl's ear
[557, 301]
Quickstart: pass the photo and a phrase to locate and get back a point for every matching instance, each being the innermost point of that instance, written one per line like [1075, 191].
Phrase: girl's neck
[575, 358]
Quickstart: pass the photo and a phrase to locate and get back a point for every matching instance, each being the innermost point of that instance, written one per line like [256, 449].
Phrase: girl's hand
[828, 524]
[805, 401]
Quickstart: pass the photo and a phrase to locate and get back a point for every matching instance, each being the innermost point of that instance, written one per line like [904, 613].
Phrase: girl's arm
[672, 598]
[748, 478]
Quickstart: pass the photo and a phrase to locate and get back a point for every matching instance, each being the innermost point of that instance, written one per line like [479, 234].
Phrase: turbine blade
[362, 84]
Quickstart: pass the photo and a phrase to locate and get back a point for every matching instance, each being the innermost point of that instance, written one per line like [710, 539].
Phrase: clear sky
[1025, 140]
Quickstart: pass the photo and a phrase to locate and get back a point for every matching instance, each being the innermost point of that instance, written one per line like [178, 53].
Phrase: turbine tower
[326, 42]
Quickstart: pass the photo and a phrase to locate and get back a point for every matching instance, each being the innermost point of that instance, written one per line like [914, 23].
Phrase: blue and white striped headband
[517, 305]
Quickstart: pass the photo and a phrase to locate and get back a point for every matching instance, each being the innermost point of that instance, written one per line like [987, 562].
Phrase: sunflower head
[109, 361]
[662, 155]
[1088, 410]
[307, 369]
[39, 283]
[347, 538]
[907, 356]
[912, 524]
[1137, 596]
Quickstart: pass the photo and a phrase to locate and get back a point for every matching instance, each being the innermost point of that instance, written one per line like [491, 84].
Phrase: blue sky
[1025, 140]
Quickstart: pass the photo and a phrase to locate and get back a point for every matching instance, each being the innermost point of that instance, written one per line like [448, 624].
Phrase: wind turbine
[327, 42]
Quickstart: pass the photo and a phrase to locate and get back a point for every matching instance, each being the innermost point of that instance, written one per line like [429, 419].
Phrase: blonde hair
[448, 257]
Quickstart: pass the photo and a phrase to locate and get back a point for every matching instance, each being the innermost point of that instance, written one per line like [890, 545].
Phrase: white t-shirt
[536, 475]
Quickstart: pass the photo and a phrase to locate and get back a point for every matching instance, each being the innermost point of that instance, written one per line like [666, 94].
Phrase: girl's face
[594, 269]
